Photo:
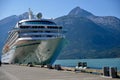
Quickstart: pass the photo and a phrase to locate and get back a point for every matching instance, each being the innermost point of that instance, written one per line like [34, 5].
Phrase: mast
[30, 14]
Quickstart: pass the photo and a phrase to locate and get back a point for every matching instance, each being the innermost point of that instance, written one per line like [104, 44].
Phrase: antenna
[30, 14]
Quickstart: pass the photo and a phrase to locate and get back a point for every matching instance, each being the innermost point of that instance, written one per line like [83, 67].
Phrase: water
[92, 63]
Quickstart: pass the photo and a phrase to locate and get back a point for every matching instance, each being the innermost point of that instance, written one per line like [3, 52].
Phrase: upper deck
[35, 22]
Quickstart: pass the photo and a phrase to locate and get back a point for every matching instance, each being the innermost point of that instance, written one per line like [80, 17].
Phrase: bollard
[80, 64]
[84, 64]
[30, 64]
[58, 67]
[0, 63]
[49, 66]
[106, 71]
[41, 66]
[113, 72]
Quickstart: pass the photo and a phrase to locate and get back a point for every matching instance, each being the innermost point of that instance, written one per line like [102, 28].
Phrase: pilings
[110, 72]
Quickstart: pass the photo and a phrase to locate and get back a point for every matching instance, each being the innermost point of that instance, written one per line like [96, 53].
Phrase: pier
[16, 72]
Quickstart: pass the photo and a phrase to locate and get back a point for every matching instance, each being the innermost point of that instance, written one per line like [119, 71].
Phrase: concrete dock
[15, 72]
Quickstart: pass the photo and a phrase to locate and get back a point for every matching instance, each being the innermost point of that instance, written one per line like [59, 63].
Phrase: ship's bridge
[42, 22]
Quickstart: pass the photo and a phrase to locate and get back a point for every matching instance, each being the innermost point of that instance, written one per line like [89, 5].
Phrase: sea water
[91, 63]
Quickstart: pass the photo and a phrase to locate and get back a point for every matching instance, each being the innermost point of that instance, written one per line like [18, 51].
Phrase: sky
[57, 8]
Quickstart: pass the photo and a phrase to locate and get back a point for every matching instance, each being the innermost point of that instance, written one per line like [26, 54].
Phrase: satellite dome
[39, 15]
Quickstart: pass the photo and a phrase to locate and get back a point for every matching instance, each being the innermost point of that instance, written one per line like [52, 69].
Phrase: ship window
[60, 27]
[49, 35]
[38, 27]
[35, 31]
[47, 31]
[54, 27]
[38, 22]
[24, 27]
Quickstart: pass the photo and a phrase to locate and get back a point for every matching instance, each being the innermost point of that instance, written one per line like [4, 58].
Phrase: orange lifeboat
[6, 47]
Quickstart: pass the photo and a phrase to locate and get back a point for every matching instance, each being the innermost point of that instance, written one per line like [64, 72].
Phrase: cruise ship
[37, 41]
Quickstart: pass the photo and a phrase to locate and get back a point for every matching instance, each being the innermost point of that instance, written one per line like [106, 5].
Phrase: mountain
[108, 22]
[80, 12]
[88, 36]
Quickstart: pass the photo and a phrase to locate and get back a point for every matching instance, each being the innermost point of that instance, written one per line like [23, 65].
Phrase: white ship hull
[36, 41]
[35, 51]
